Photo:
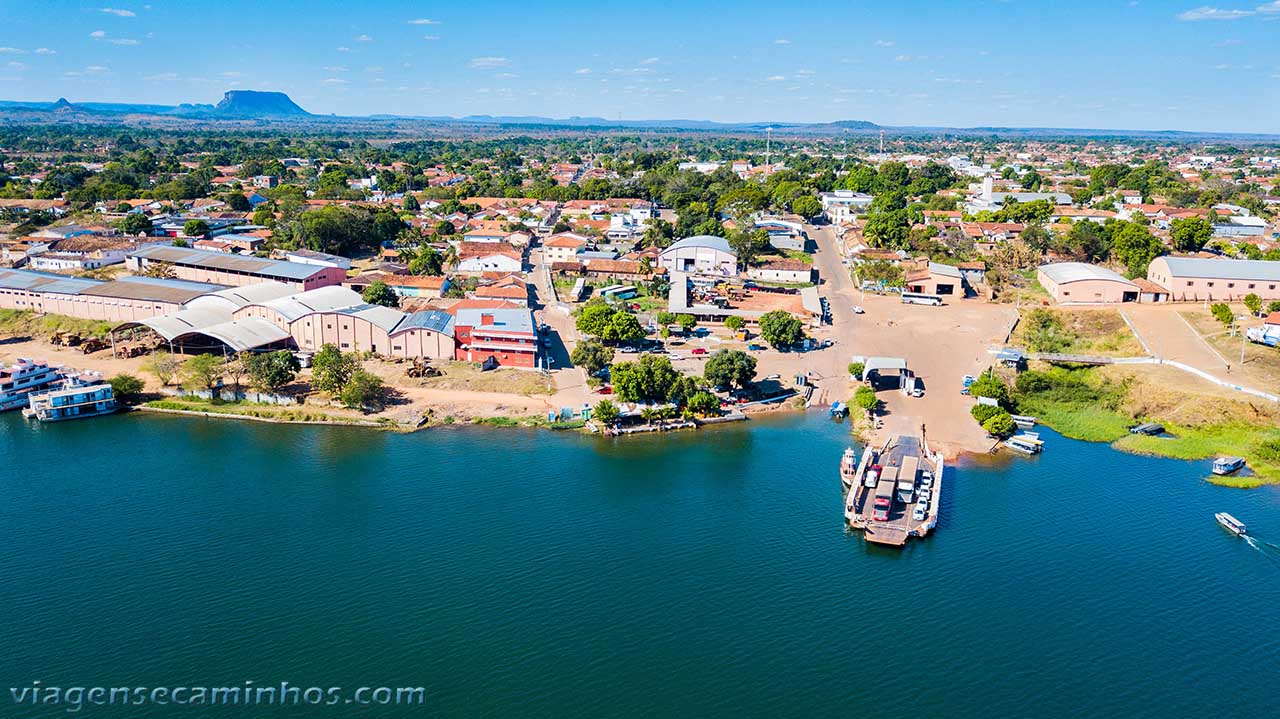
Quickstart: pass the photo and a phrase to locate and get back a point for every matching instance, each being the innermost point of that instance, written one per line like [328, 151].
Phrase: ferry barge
[24, 378]
[894, 492]
[83, 395]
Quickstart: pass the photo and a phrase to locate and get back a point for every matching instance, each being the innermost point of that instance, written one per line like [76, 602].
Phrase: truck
[884, 494]
[907, 479]
[1268, 335]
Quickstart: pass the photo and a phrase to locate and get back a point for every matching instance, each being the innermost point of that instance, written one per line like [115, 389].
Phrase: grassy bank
[257, 411]
[25, 323]
[1097, 406]
[1076, 331]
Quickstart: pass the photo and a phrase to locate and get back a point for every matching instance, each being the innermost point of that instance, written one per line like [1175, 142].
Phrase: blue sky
[1089, 63]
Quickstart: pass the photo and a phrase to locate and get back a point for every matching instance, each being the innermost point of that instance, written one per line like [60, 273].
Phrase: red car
[698, 350]
[605, 390]
[880, 515]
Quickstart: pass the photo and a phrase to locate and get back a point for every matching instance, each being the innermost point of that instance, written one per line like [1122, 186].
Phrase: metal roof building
[1197, 278]
[232, 269]
[1079, 283]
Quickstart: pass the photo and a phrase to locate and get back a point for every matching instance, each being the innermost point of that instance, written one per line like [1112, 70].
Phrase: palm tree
[451, 255]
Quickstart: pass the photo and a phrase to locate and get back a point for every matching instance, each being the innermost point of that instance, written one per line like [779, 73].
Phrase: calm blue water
[518, 573]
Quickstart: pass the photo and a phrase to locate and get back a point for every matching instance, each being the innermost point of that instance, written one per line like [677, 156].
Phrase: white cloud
[431, 38]
[12, 51]
[1222, 66]
[45, 51]
[96, 70]
[649, 60]
[343, 48]
[98, 34]
[124, 41]
[902, 58]
[336, 68]
[782, 41]
[424, 21]
[884, 43]
[487, 63]
[373, 69]
[118, 12]
[232, 73]
[15, 65]
[582, 71]
[334, 81]
[162, 77]
[364, 38]
[1270, 8]
[776, 78]
[1204, 12]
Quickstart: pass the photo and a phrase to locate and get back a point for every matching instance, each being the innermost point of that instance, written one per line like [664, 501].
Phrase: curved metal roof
[233, 298]
[323, 299]
[708, 241]
[1063, 272]
[246, 334]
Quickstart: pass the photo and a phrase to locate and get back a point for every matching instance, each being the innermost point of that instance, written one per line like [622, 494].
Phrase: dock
[899, 473]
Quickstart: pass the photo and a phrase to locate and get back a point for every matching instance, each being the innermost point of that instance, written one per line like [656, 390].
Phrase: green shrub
[984, 412]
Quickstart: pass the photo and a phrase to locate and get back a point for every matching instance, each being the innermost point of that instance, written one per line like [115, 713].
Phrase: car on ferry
[873, 476]
[880, 512]
[924, 495]
[920, 513]
[926, 478]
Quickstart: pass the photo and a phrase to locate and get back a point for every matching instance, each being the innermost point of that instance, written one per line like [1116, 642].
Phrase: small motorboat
[1231, 524]
[1227, 465]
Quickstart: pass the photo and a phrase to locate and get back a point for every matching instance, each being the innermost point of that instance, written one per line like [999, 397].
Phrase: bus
[920, 298]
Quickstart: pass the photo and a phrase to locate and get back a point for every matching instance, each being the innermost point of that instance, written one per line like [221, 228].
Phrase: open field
[257, 411]
[1261, 363]
[467, 376]
[1086, 331]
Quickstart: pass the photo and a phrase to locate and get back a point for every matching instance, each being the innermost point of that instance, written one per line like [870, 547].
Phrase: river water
[528, 573]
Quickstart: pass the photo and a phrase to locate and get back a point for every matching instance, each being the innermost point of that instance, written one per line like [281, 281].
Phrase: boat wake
[1269, 550]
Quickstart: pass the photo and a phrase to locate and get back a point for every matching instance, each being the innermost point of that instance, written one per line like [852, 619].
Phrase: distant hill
[252, 103]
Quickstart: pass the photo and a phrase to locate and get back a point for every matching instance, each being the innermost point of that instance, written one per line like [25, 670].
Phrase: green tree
[780, 329]
[1190, 234]
[427, 262]
[623, 327]
[1253, 302]
[607, 412]
[126, 387]
[134, 223]
[984, 412]
[856, 369]
[594, 318]
[163, 365]
[202, 372]
[1274, 306]
[990, 386]
[704, 403]
[1222, 313]
[649, 379]
[664, 318]
[1000, 425]
[411, 204]
[806, 206]
[865, 398]
[378, 293]
[727, 369]
[195, 228]
[269, 371]
[734, 322]
[592, 355]
[1135, 246]
[363, 391]
[331, 370]
[687, 322]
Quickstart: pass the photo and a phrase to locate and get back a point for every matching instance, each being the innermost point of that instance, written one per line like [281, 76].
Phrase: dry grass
[1096, 332]
[1261, 363]
[467, 376]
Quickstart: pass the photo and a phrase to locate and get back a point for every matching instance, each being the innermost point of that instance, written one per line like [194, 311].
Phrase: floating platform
[899, 471]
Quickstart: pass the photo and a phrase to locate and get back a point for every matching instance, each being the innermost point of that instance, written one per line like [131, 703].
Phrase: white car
[919, 514]
[857, 310]
[925, 494]
[926, 478]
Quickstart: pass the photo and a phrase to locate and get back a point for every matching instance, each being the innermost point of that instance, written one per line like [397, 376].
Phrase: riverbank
[1201, 420]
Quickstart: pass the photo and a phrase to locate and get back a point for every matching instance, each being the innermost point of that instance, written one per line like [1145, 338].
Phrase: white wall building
[701, 254]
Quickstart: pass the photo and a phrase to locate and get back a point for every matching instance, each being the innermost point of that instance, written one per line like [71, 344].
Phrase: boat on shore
[82, 395]
[1231, 524]
[25, 377]
[1227, 465]
[1026, 443]
[1150, 429]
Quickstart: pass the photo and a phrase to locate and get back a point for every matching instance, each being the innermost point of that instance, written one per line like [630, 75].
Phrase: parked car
[917, 392]
[919, 514]
[827, 343]
[605, 390]
[698, 350]
[628, 350]
[675, 343]
[926, 478]
[925, 493]
[674, 355]
[857, 310]
[771, 377]
[755, 347]
[872, 476]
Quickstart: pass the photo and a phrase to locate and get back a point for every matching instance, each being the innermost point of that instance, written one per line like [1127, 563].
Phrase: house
[1192, 279]
[417, 285]
[563, 247]
[783, 270]
[624, 270]
[81, 252]
[701, 254]
[986, 199]
[505, 336]
[1272, 319]
[935, 279]
[320, 259]
[233, 270]
[1081, 283]
[510, 288]
[843, 206]
[477, 257]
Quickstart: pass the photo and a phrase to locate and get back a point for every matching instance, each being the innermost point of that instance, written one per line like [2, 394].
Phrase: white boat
[1231, 524]
[18, 381]
[83, 395]
[1227, 465]
[1026, 443]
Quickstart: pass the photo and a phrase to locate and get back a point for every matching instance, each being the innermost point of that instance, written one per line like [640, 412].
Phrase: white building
[701, 254]
[843, 206]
